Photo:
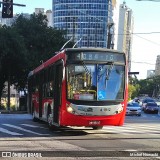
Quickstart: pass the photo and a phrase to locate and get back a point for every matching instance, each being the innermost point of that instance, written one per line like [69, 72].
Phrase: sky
[31, 5]
[145, 47]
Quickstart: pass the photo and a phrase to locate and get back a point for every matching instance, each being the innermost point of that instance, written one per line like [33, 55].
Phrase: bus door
[40, 95]
[57, 91]
[40, 102]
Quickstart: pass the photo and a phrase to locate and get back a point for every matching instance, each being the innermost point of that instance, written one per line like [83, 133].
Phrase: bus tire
[97, 127]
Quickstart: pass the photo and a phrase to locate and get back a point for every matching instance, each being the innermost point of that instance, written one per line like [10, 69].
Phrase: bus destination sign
[96, 56]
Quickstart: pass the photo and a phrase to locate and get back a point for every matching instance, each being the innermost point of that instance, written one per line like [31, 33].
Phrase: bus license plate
[94, 122]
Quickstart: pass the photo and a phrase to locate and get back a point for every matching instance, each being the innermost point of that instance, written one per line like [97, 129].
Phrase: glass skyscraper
[88, 20]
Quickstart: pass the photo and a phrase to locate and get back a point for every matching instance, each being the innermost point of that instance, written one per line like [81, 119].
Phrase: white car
[133, 108]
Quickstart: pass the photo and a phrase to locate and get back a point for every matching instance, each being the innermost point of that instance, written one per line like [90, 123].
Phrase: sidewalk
[12, 112]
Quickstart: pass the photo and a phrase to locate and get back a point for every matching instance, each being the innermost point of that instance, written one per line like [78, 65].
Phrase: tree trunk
[9, 84]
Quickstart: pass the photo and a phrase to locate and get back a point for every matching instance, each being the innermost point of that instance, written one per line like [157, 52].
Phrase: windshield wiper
[86, 69]
[108, 70]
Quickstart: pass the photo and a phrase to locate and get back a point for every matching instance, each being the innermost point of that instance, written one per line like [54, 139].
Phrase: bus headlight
[70, 108]
[119, 109]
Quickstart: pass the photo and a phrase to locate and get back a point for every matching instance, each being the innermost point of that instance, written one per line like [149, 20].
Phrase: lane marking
[26, 130]
[32, 126]
[9, 132]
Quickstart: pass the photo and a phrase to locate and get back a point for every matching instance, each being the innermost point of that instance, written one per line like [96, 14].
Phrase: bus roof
[92, 49]
[47, 63]
[60, 55]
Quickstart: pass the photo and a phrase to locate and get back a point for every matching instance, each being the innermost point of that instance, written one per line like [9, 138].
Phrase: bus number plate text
[94, 122]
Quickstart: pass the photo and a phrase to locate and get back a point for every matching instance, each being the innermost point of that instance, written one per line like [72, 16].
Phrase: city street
[139, 134]
[80, 63]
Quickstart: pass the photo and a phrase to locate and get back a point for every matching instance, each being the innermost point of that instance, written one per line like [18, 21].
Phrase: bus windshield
[95, 82]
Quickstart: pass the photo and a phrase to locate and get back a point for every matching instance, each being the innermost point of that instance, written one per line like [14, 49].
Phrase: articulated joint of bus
[94, 110]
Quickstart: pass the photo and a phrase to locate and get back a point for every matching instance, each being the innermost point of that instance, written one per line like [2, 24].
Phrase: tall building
[48, 13]
[125, 31]
[157, 67]
[49, 17]
[115, 20]
[39, 10]
[88, 20]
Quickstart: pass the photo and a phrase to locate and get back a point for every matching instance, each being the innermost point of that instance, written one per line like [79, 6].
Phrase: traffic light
[7, 9]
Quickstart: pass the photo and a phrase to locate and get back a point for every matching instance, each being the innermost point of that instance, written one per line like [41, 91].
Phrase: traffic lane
[22, 125]
[87, 139]
[144, 118]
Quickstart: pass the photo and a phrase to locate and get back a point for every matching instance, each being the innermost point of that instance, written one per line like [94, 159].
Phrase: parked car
[151, 107]
[133, 108]
[145, 101]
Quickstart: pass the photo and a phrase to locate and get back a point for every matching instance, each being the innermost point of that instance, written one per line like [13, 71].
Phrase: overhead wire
[135, 34]
[143, 63]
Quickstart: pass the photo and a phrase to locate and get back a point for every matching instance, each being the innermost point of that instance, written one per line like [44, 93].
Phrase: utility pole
[9, 85]
[74, 28]
[109, 35]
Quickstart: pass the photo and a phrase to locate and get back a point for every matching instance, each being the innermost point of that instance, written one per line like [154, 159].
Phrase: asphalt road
[139, 138]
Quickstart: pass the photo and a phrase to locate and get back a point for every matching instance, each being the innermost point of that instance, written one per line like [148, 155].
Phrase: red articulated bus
[80, 87]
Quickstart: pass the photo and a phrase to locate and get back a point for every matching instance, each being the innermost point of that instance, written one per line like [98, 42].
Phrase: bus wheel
[97, 127]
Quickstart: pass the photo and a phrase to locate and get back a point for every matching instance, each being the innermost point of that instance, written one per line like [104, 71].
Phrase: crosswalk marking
[33, 126]
[9, 132]
[146, 128]
[134, 128]
[22, 129]
[126, 129]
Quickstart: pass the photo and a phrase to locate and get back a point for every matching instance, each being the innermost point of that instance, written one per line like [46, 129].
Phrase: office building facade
[125, 30]
[88, 20]
[157, 67]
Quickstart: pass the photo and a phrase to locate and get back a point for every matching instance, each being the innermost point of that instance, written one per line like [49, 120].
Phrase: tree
[133, 87]
[146, 86]
[24, 45]
[41, 41]
[12, 56]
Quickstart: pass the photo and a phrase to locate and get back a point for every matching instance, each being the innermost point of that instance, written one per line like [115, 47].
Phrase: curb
[12, 112]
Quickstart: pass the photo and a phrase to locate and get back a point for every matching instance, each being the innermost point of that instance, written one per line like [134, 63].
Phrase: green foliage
[24, 45]
[41, 41]
[2, 107]
[149, 86]
[146, 86]
[133, 88]
[131, 91]
[12, 55]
